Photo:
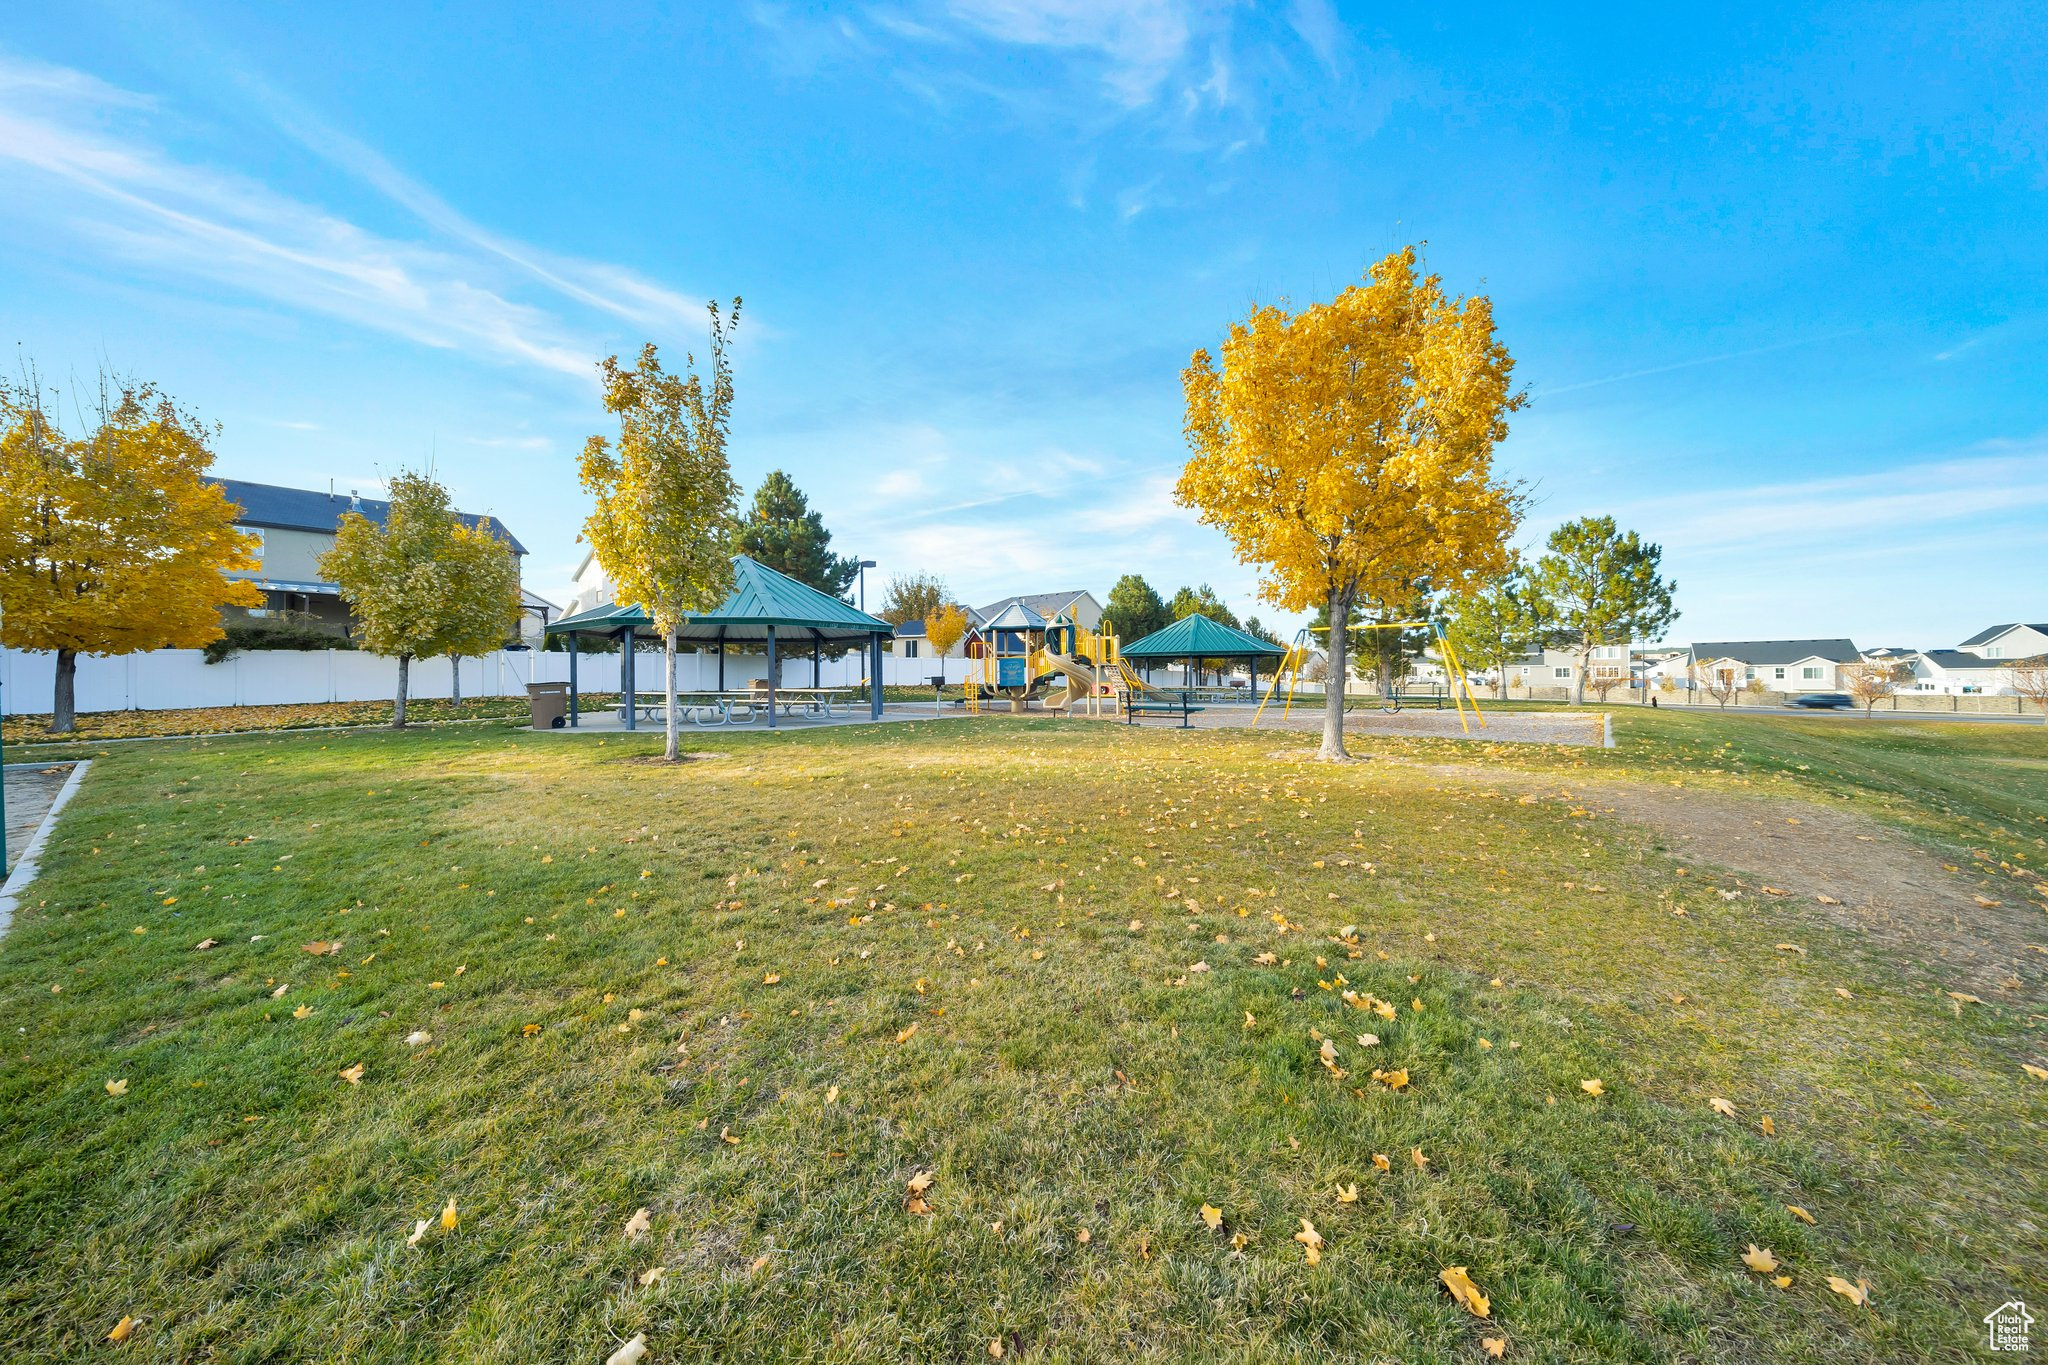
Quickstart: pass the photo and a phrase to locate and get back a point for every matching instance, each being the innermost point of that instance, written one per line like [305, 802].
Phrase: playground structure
[1303, 648]
[1024, 656]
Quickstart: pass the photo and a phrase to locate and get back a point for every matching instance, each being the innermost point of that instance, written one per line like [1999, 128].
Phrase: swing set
[1299, 653]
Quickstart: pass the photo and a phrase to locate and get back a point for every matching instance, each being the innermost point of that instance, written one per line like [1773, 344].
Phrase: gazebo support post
[626, 678]
[815, 647]
[574, 713]
[721, 658]
[1254, 662]
[875, 693]
[771, 677]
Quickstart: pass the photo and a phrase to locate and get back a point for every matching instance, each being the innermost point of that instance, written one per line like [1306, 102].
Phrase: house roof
[911, 629]
[1961, 660]
[1197, 637]
[1778, 651]
[1044, 604]
[307, 509]
[1991, 633]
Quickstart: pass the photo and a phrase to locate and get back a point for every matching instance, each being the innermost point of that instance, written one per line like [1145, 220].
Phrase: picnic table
[724, 708]
[1162, 702]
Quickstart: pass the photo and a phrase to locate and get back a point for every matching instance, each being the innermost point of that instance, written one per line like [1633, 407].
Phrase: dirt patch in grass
[1843, 868]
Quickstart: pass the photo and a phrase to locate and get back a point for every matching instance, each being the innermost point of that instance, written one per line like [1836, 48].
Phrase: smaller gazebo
[1197, 637]
[764, 608]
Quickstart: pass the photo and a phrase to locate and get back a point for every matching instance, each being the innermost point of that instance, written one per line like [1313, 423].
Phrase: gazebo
[764, 607]
[1197, 637]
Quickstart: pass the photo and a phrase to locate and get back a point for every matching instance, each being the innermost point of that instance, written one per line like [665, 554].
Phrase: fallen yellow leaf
[448, 1218]
[1212, 1216]
[1857, 1293]
[637, 1225]
[1593, 1087]
[653, 1276]
[1464, 1291]
[1494, 1346]
[1722, 1107]
[1759, 1259]
[419, 1230]
[1379, 1160]
[122, 1329]
[352, 1074]
[630, 1353]
[1347, 1194]
[119, 1087]
[2037, 1072]
[1801, 1214]
[1311, 1241]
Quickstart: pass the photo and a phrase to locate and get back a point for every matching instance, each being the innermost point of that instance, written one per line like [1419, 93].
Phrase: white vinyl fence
[178, 679]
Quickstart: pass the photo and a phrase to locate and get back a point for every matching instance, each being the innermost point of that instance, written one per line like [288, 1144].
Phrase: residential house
[1959, 673]
[293, 528]
[2011, 641]
[1079, 607]
[1033, 610]
[1560, 668]
[910, 641]
[1795, 666]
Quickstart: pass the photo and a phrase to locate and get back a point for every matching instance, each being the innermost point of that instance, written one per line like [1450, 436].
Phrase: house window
[1749, 675]
[1777, 674]
[1561, 672]
[1811, 673]
[910, 649]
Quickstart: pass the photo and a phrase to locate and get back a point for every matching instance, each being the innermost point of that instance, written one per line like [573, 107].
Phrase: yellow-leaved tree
[943, 629]
[113, 541]
[1346, 449]
[423, 584]
[663, 526]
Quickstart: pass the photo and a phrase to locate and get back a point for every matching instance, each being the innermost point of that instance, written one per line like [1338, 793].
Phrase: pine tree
[781, 531]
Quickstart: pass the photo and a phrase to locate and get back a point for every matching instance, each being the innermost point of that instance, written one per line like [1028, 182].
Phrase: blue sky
[1776, 281]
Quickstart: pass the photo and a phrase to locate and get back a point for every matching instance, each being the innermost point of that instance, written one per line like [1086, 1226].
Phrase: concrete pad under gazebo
[1197, 637]
[764, 608]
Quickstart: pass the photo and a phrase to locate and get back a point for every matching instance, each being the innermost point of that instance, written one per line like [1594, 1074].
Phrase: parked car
[1824, 701]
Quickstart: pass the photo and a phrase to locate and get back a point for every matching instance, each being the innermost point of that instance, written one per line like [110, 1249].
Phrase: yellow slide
[1080, 681]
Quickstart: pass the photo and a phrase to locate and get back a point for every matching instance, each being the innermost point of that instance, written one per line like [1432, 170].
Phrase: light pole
[861, 572]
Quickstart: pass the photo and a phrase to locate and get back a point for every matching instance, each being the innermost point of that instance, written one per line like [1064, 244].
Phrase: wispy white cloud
[1883, 510]
[1140, 43]
[1550, 391]
[98, 176]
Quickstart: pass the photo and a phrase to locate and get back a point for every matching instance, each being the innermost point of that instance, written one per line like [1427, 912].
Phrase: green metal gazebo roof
[605, 620]
[760, 598]
[1197, 637]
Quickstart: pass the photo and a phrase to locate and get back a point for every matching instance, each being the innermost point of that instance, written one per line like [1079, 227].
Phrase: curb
[25, 866]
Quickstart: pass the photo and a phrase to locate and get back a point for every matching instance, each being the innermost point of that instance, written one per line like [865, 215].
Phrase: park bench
[1182, 706]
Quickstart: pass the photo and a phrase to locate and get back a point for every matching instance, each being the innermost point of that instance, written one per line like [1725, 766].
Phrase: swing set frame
[1298, 654]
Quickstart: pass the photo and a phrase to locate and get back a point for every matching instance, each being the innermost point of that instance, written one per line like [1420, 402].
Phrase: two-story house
[1796, 666]
[293, 528]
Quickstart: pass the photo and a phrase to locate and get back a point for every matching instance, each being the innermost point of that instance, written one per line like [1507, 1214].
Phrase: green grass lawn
[1079, 974]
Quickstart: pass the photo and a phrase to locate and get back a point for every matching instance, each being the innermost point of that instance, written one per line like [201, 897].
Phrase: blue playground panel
[1010, 672]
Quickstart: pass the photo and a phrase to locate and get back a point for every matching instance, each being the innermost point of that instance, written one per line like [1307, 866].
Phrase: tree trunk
[1334, 685]
[674, 751]
[404, 674]
[456, 695]
[1579, 673]
[64, 706]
